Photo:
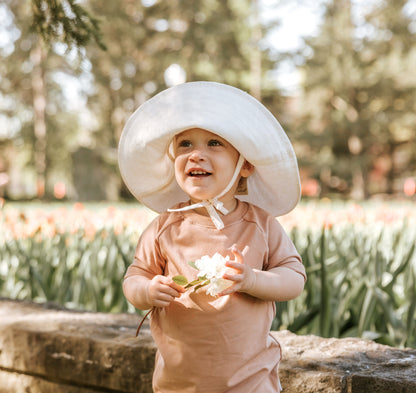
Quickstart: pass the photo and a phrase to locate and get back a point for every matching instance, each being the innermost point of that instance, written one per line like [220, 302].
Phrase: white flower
[212, 269]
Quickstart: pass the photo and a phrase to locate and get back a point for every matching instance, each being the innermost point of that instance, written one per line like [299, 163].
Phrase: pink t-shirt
[212, 344]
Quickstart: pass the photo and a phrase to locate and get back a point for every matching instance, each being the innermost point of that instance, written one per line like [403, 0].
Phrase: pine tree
[356, 107]
[39, 128]
[65, 21]
[389, 97]
[206, 40]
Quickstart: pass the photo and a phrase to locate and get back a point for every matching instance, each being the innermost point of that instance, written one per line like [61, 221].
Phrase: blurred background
[340, 75]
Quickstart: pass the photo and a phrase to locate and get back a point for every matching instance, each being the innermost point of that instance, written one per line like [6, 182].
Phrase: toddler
[219, 168]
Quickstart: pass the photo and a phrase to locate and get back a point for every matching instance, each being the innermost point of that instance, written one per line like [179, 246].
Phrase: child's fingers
[165, 297]
[162, 291]
[244, 275]
[172, 291]
[163, 300]
[227, 291]
[167, 281]
[238, 255]
[239, 266]
[235, 287]
[176, 286]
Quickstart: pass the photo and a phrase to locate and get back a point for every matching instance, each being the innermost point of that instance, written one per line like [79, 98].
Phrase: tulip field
[360, 260]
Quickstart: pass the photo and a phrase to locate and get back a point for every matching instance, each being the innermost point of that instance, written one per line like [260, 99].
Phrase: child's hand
[244, 279]
[162, 291]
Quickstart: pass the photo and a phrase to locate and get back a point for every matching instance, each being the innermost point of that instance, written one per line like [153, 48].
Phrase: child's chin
[196, 198]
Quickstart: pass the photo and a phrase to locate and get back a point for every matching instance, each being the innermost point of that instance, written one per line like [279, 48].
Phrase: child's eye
[184, 143]
[214, 142]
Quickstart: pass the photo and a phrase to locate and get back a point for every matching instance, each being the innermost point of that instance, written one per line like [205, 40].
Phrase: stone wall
[49, 350]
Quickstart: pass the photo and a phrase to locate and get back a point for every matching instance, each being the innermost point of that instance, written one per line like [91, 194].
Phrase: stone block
[313, 364]
[45, 349]
[87, 350]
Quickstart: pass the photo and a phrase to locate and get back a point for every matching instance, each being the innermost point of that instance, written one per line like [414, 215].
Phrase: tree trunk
[255, 61]
[358, 190]
[37, 57]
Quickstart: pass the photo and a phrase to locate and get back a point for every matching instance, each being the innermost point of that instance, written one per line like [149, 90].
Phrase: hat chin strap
[214, 204]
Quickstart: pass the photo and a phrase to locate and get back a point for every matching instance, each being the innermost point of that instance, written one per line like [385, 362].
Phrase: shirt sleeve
[148, 261]
[282, 251]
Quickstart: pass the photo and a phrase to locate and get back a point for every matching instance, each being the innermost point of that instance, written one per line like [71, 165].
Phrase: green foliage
[207, 40]
[198, 283]
[210, 40]
[356, 129]
[353, 123]
[65, 21]
[73, 257]
[361, 281]
[30, 79]
[361, 274]
[180, 280]
[68, 269]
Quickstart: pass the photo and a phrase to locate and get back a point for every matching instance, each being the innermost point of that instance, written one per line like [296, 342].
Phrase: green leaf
[367, 312]
[304, 319]
[180, 280]
[202, 285]
[192, 283]
[192, 264]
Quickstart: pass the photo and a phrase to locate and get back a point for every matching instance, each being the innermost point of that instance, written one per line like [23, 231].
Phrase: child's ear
[247, 169]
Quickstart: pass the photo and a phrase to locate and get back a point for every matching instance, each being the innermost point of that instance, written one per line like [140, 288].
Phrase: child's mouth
[199, 173]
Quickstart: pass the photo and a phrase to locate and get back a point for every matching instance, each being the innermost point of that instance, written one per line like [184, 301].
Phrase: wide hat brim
[148, 170]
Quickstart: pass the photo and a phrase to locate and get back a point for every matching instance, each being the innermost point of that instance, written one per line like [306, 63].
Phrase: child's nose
[197, 155]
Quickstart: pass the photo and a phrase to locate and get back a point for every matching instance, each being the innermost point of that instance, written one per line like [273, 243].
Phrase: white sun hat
[147, 167]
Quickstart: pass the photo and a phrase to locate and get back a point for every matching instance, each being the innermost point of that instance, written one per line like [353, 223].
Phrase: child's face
[204, 163]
